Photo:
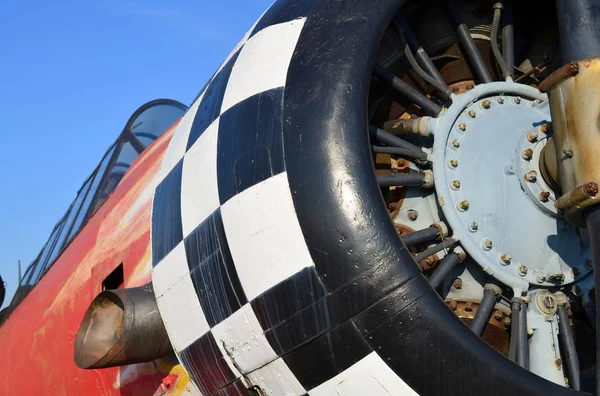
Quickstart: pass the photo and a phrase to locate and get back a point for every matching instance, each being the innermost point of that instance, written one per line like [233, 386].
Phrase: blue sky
[71, 73]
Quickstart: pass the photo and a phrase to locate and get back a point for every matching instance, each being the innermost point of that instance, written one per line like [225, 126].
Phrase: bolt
[544, 127]
[588, 264]
[544, 196]
[453, 163]
[517, 100]
[487, 244]
[506, 322]
[530, 176]
[557, 278]
[540, 277]
[462, 126]
[523, 270]
[455, 184]
[473, 227]
[498, 315]
[457, 284]
[412, 215]
[550, 302]
[505, 259]
[500, 100]
[536, 102]
[463, 206]
[486, 104]
[472, 113]
[590, 189]
[568, 153]
[455, 143]
[532, 137]
[453, 305]
[469, 306]
[527, 154]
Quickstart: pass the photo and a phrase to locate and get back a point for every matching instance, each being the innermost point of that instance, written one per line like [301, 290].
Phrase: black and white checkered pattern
[237, 289]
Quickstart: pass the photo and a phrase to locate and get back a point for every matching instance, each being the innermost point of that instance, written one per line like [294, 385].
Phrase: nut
[473, 227]
[462, 126]
[463, 206]
[568, 153]
[455, 184]
[505, 259]
[457, 284]
[590, 189]
[472, 113]
[500, 100]
[453, 163]
[557, 278]
[544, 127]
[486, 104]
[523, 270]
[530, 176]
[544, 196]
[453, 305]
[506, 322]
[498, 315]
[517, 100]
[527, 154]
[455, 144]
[487, 244]
[532, 137]
[412, 215]
[469, 306]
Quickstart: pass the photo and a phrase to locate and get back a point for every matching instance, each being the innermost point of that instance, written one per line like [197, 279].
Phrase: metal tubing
[420, 53]
[567, 343]
[406, 91]
[420, 236]
[484, 312]
[401, 179]
[494, 39]
[508, 38]
[523, 351]
[476, 60]
[444, 268]
[391, 140]
[592, 219]
[403, 152]
[446, 243]
[579, 26]
[514, 330]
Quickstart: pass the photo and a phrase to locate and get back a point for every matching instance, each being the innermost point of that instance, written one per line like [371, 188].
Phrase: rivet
[455, 184]
[412, 215]
[530, 176]
[463, 206]
[517, 100]
[462, 126]
[523, 270]
[453, 163]
[472, 113]
[527, 154]
[473, 227]
[532, 137]
[500, 99]
[486, 104]
[544, 196]
[487, 244]
[455, 143]
[505, 259]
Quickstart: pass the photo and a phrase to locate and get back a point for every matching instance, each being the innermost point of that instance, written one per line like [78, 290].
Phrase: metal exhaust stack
[121, 327]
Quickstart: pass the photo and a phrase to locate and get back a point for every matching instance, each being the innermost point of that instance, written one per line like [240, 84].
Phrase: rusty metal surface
[568, 70]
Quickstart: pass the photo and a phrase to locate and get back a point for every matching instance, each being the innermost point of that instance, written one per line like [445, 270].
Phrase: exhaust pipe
[121, 327]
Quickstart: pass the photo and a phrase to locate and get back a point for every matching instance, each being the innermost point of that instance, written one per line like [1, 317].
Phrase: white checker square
[369, 376]
[182, 314]
[199, 188]
[276, 379]
[243, 338]
[178, 142]
[170, 270]
[264, 235]
[263, 62]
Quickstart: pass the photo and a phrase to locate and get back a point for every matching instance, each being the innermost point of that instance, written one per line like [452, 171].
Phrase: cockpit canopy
[143, 127]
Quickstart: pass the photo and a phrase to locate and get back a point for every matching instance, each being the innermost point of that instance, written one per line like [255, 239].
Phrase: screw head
[473, 227]
[523, 270]
[462, 127]
[517, 100]
[453, 163]
[500, 99]
[544, 196]
[472, 113]
[455, 184]
[527, 154]
[463, 205]
[505, 259]
[455, 144]
[487, 244]
[412, 215]
[532, 137]
[530, 176]
[486, 104]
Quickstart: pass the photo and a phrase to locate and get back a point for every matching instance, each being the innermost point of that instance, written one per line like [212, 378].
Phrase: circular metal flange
[495, 209]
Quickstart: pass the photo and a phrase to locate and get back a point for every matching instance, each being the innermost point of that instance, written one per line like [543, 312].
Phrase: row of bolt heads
[487, 104]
